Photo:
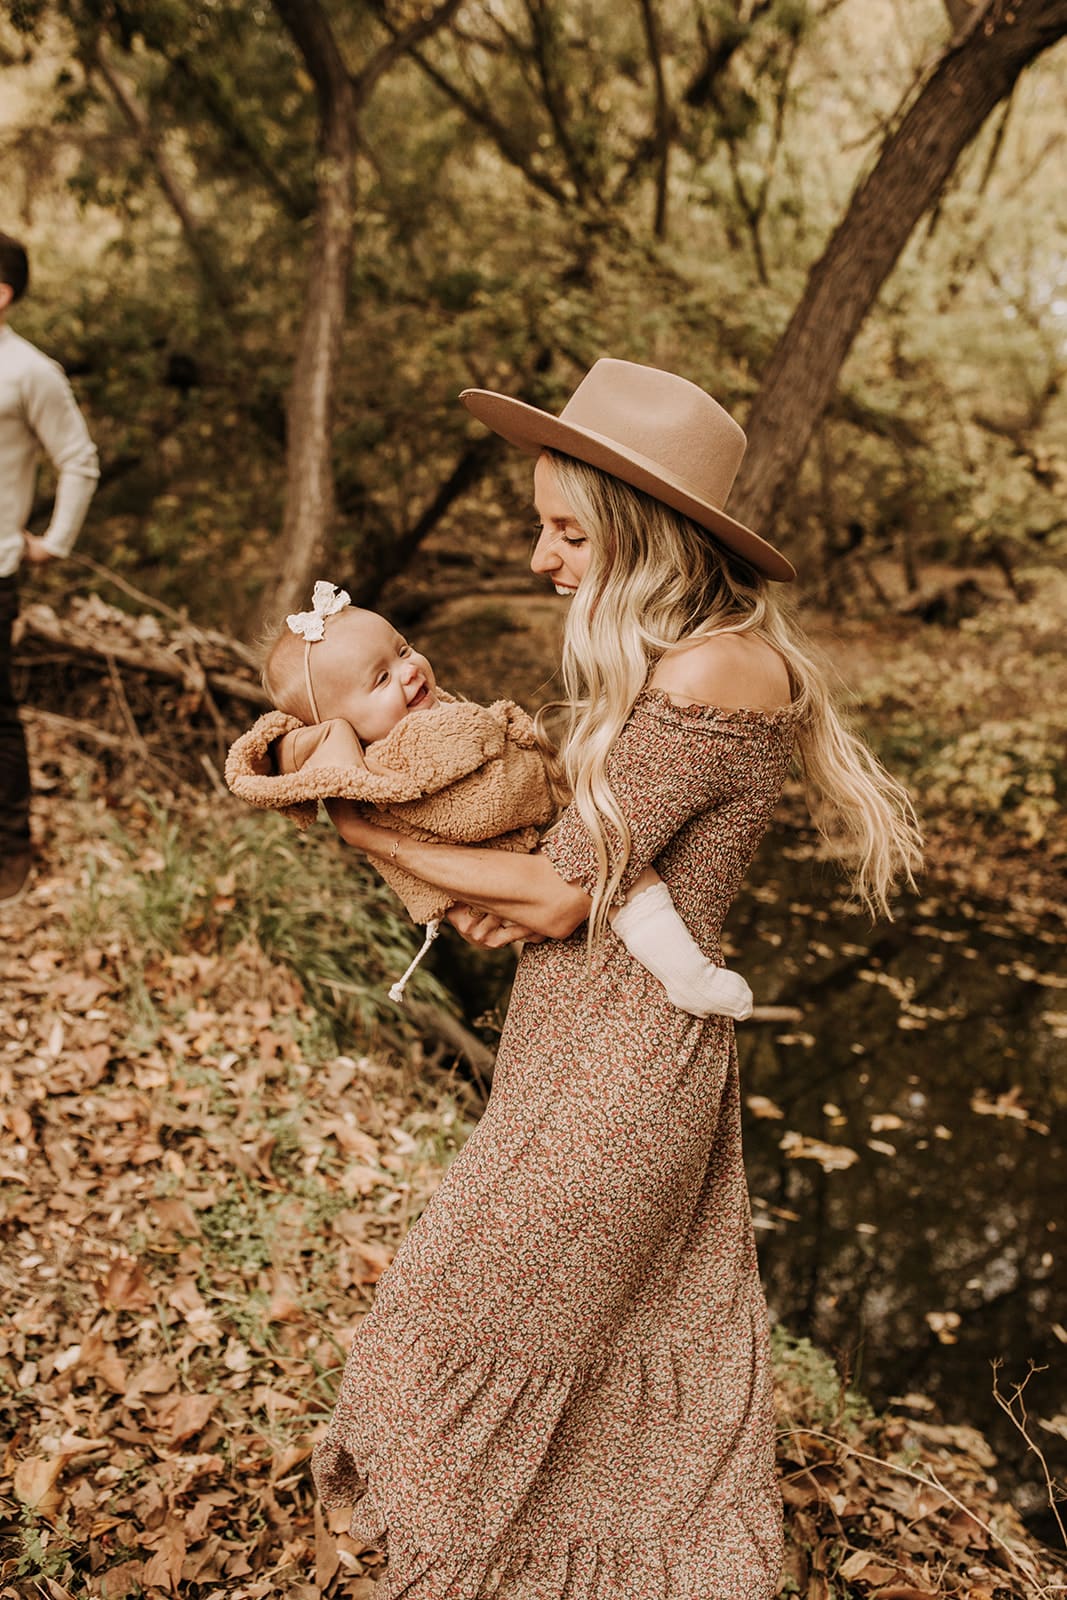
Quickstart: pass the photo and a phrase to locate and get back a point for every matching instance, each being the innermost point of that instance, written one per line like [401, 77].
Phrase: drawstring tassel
[397, 991]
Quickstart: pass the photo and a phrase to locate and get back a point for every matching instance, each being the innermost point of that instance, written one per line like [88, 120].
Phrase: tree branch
[970, 79]
[391, 554]
[198, 244]
[663, 118]
[507, 143]
[554, 95]
[399, 45]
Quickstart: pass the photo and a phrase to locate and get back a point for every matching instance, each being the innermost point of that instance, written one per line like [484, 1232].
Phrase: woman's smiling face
[562, 550]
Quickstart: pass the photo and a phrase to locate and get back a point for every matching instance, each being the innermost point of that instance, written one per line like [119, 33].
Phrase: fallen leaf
[126, 1287]
[327, 1555]
[831, 1157]
[1003, 1105]
[184, 1415]
[156, 1377]
[760, 1106]
[863, 1564]
[163, 1569]
[35, 1479]
[125, 1578]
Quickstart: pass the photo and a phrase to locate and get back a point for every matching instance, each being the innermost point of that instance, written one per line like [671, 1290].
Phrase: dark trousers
[14, 767]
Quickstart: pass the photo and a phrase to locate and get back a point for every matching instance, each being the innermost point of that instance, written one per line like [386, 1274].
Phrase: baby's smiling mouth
[420, 697]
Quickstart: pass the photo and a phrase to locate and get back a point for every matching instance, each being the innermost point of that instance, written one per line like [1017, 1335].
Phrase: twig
[131, 589]
[213, 776]
[124, 707]
[206, 634]
[80, 730]
[929, 1480]
[1020, 1422]
[450, 1032]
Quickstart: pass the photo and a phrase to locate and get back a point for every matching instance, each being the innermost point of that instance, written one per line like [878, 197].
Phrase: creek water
[905, 1144]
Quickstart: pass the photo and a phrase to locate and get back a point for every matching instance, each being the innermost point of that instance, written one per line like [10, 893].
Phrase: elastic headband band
[307, 682]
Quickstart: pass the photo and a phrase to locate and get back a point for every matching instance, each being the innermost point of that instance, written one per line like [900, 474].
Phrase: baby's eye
[403, 650]
[383, 677]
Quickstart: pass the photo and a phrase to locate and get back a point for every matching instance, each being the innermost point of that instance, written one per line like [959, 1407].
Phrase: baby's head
[361, 669]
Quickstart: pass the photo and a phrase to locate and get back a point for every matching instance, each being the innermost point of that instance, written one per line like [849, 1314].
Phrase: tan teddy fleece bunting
[458, 772]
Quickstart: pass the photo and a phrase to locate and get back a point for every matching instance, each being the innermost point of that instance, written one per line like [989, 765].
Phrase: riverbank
[206, 1170]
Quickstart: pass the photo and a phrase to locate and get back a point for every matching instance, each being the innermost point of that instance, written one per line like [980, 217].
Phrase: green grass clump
[161, 887]
[811, 1385]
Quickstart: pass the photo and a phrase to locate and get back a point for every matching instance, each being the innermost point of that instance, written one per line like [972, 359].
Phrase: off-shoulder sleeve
[669, 764]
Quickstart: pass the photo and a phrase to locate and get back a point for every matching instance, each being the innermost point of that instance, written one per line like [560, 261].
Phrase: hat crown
[664, 418]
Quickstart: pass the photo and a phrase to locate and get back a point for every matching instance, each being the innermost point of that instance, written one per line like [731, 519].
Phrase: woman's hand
[487, 931]
[355, 829]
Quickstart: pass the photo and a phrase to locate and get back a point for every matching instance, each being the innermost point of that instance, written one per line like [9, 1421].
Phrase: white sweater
[39, 413]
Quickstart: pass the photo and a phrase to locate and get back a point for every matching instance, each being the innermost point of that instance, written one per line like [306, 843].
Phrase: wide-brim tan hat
[657, 432]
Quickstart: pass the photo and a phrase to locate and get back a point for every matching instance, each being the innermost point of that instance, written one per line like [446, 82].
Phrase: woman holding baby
[563, 1391]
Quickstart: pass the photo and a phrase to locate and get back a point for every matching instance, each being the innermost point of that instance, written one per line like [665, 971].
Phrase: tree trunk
[310, 493]
[975, 73]
[310, 508]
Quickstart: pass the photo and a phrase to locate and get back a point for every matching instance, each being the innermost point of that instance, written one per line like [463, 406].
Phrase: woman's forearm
[524, 889]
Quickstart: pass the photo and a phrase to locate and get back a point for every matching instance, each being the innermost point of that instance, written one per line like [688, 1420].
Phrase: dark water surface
[935, 1050]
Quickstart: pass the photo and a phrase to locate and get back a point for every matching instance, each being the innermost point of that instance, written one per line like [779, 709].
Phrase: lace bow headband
[326, 601]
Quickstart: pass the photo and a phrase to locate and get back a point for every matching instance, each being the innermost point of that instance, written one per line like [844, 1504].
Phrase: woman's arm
[519, 889]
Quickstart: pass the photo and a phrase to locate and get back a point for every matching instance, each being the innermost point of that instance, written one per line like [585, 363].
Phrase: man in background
[38, 413]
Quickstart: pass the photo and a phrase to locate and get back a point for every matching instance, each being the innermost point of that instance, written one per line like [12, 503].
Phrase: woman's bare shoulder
[728, 670]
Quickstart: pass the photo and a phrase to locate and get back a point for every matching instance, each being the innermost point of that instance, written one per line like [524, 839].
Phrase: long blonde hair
[655, 580]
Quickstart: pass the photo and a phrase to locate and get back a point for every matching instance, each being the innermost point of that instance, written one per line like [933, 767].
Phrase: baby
[365, 719]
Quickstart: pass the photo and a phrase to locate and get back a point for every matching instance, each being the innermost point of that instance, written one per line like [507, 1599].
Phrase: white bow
[326, 600]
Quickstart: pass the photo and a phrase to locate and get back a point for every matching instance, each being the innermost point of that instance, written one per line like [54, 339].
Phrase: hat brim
[532, 430]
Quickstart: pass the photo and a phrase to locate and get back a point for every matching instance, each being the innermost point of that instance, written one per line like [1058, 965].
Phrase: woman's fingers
[484, 929]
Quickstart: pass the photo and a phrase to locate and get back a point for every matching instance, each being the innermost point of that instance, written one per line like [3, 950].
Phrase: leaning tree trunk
[310, 507]
[976, 72]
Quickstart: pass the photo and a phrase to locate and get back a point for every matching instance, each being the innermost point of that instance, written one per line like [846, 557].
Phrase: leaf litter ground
[198, 1191]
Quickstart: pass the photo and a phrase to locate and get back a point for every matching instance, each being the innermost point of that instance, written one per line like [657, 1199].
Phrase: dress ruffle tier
[563, 1390]
[462, 1463]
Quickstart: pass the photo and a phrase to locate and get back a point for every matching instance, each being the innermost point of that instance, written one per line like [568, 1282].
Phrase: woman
[563, 1391]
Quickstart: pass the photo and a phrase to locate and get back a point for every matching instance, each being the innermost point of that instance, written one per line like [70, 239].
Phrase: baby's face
[364, 671]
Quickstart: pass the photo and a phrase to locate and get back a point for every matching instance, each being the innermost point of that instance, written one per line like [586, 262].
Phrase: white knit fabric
[655, 935]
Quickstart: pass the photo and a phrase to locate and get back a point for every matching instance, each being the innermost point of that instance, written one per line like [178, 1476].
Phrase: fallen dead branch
[79, 640]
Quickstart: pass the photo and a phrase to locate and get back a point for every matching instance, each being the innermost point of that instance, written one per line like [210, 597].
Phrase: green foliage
[973, 718]
[506, 186]
[1011, 773]
[811, 1384]
[162, 885]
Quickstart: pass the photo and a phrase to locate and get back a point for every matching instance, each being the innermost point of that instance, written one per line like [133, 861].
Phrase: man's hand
[491, 933]
[34, 550]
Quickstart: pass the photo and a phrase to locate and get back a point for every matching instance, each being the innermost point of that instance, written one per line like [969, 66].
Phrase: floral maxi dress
[563, 1390]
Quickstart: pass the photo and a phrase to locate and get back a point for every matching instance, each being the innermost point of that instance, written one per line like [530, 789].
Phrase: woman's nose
[545, 558]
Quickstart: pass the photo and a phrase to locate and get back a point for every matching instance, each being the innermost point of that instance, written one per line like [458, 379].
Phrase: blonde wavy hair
[655, 580]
